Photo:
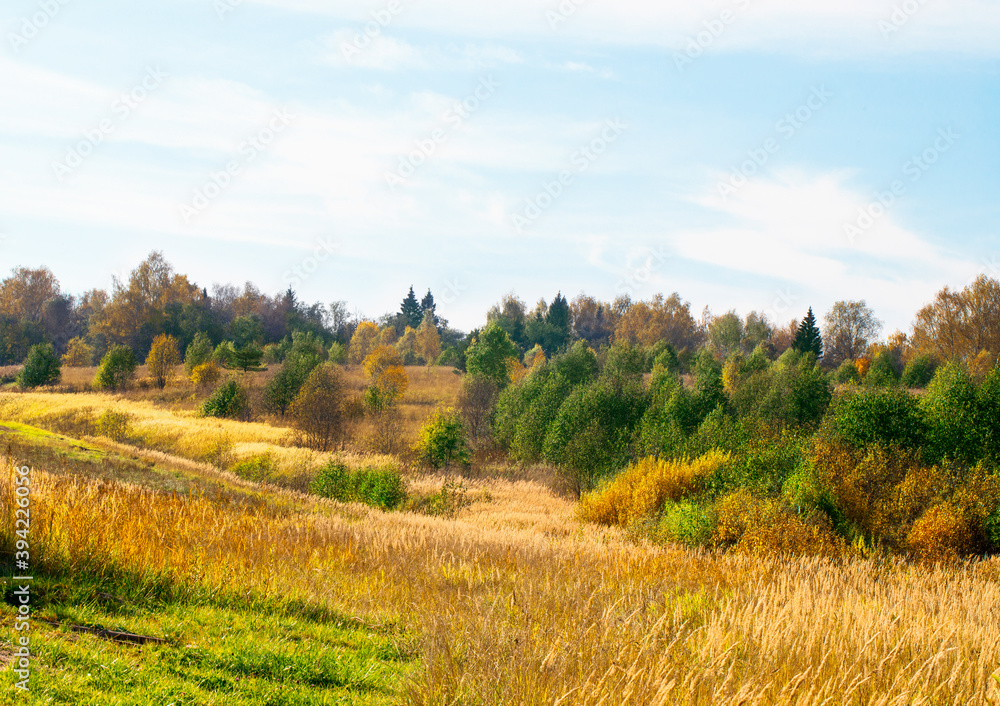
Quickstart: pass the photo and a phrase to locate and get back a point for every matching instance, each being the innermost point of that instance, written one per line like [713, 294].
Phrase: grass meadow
[264, 594]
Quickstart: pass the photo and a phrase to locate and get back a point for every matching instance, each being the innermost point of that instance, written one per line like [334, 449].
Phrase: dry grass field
[508, 599]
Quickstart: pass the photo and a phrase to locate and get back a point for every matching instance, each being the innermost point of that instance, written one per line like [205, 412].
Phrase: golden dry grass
[515, 602]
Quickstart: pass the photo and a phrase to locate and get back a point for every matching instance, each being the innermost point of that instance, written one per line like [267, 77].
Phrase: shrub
[847, 373]
[117, 369]
[643, 489]
[206, 374]
[115, 425]
[525, 411]
[883, 372]
[592, 434]
[688, 522]
[42, 367]
[879, 416]
[379, 487]
[256, 468]
[941, 534]
[230, 400]
[919, 371]
[758, 526]
[442, 440]
[950, 409]
[447, 502]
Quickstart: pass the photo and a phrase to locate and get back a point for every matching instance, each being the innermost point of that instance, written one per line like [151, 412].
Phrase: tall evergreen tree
[808, 339]
[411, 311]
[428, 304]
[559, 316]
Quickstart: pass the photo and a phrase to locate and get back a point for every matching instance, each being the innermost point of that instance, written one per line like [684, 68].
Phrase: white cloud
[844, 28]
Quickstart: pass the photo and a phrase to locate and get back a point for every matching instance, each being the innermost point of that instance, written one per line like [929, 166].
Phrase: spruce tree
[808, 339]
[428, 304]
[411, 311]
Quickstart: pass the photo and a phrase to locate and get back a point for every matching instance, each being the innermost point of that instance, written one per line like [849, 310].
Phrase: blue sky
[751, 154]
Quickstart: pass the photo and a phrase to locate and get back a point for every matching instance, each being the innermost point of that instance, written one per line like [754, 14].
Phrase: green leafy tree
[41, 367]
[199, 351]
[442, 440]
[578, 365]
[919, 371]
[882, 372]
[117, 369]
[808, 338]
[489, 353]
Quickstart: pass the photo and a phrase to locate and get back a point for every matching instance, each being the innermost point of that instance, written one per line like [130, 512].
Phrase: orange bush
[942, 534]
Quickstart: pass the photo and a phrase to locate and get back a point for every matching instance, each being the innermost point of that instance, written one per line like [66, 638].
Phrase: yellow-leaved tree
[78, 353]
[362, 342]
[428, 344]
[162, 359]
[387, 378]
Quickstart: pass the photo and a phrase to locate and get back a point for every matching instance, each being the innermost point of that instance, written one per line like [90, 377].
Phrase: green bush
[847, 373]
[688, 522]
[919, 372]
[525, 411]
[883, 371]
[42, 367]
[378, 487]
[578, 365]
[442, 440]
[879, 416]
[229, 400]
[117, 369]
[115, 425]
[256, 468]
[950, 408]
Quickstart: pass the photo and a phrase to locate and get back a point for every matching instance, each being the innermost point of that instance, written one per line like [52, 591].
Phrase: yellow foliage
[384, 368]
[387, 336]
[206, 374]
[78, 354]
[515, 371]
[642, 489]
[162, 359]
[428, 344]
[362, 342]
[942, 533]
[862, 364]
[763, 526]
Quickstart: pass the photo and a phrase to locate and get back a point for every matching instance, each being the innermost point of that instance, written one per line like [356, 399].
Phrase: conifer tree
[411, 311]
[808, 338]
